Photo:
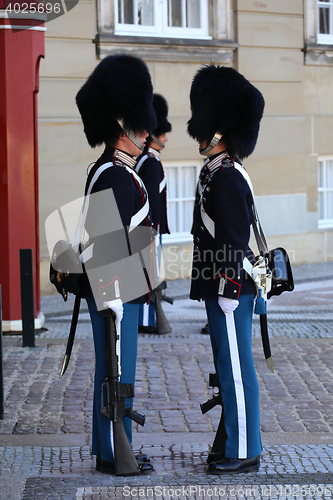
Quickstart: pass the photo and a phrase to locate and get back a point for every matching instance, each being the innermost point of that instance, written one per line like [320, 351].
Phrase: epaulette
[218, 162]
[227, 162]
[118, 162]
[151, 155]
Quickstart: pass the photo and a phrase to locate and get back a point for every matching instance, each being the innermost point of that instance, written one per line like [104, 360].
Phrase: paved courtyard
[46, 433]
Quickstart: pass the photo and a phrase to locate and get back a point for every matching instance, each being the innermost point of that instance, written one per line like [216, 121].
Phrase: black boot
[234, 465]
[144, 464]
[205, 329]
[104, 466]
[215, 456]
[147, 329]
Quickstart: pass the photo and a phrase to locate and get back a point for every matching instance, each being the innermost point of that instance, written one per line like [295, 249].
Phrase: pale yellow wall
[63, 150]
[296, 127]
[173, 81]
[288, 7]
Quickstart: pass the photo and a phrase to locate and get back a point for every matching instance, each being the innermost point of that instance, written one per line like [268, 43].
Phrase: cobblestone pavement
[45, 435]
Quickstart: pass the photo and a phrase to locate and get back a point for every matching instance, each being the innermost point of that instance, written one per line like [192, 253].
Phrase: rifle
[157, 297]
[216, 399]
[218, 446]
[124, 461]
[162, 296]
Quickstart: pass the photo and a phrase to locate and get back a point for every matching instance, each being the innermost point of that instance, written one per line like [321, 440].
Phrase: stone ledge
[318, 54]
[167, 49]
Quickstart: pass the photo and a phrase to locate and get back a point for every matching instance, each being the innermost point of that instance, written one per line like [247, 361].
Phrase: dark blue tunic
[224, 195]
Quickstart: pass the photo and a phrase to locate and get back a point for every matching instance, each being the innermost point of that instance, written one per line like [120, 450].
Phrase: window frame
[135, 29]
[324, 223]
[181, 236]
[318, 49]
[219, 45]
[160, 27]
[324, 38]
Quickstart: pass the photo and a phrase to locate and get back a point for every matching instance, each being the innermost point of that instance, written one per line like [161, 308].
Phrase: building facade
[284, 48]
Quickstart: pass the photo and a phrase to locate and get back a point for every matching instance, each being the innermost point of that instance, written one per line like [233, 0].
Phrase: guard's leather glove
[117, 307]
[227, 305]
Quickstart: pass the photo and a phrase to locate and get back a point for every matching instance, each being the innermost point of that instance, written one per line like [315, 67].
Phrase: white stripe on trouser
[111, 436]
[145, 312]
[239, 389]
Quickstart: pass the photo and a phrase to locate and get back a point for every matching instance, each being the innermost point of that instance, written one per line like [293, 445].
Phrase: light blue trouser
[101, 437]
[233, 360]
[147, 312]
[147, 316]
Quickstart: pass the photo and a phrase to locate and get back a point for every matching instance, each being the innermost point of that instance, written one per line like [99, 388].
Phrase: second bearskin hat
[118, 90]
[161, 109]
[224, 102]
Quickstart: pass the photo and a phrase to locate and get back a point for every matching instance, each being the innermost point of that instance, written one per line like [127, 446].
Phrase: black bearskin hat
[223, 101]
[161, 109]
[119, 88]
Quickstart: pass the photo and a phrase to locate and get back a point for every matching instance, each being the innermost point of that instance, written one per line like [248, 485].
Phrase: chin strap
[131, 135]
[216, 139]
[156, 139]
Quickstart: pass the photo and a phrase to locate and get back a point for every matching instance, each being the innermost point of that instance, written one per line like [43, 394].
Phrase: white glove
[227, 305]
[117, 307]
[157, 240]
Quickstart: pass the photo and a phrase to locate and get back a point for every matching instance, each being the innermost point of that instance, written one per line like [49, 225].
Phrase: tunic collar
[154, 152]
[125, 158]
[215, 162]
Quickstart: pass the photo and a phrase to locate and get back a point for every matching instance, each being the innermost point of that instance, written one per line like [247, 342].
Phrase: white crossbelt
[143, 212]
[135, 220]
[140, 162]
[76, 240]
[210, 225]
[162, 184]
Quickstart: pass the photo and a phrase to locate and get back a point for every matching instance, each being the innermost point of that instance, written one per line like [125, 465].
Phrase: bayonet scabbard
[71, 335]
[265, 341]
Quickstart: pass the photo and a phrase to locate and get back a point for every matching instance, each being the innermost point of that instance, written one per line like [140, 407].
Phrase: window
[318, 30]
[168, 18]
[190, 31]
[325, 193]
[182, 178]
[325, 21]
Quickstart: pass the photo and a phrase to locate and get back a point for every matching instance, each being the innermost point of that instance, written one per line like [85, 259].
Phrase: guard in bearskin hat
[226, 113]
[116, 109]
[150, 169]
